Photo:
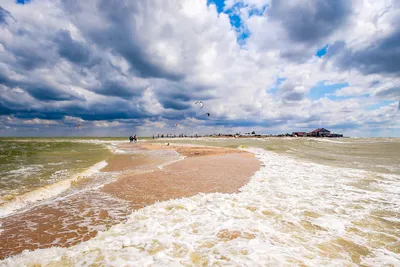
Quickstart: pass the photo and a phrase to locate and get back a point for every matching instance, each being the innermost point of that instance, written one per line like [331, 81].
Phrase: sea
[314, 202]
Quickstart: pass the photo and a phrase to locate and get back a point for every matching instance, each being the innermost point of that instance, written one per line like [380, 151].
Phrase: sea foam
[46, 192]
[290, 213]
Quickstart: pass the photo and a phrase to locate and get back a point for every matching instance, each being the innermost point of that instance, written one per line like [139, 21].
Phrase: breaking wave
[291, 213]
[46, 192]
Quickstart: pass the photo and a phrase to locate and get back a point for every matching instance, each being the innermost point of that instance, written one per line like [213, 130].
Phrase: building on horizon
[320, 132]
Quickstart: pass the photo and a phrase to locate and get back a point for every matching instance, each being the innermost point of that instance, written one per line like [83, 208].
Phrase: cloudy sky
[120, 67]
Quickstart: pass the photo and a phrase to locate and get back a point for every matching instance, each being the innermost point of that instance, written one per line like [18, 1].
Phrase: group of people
[133, 138]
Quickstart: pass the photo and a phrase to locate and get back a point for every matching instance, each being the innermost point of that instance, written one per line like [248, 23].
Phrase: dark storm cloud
[382, 57]
[26, 50]
[40, 91]
[4, 110]
[21, 104]
[142, 64]
[35, 90]
[32, 114]
[46, 93]
[123, 35]
[174, 104]
[102, 110]
[3, 15]
[116, 88]
[180, 95]
[310, 21]
[29, 57]
[70, 49]
[3, 78]
[108, 110]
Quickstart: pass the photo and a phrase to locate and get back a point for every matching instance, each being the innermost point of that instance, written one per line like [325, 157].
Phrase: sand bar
[141, 182]
[224, 173]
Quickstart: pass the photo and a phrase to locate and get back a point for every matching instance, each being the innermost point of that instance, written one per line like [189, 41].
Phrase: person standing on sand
[135, 138]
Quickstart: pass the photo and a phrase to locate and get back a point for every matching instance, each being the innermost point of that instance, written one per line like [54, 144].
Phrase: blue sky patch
[322, 52]
[242, 36]
[379, 104]
[241, 29]
[218, 3]
[234, 17]
[321, 90]
[257, 12]
[275, 89]
[344, 97]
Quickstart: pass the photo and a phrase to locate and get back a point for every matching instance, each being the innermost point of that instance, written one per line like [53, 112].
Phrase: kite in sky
[199, 102]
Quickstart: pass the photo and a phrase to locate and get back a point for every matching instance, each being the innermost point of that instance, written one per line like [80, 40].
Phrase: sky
[137, 67]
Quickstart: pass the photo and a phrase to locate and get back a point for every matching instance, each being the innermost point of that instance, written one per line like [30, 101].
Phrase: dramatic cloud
[310, 21]
[3, 15]
[70, 49]
[383, 56]
[272, 66]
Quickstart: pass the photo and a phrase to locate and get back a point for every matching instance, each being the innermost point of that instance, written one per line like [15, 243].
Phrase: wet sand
[140, 182]
[206, 174]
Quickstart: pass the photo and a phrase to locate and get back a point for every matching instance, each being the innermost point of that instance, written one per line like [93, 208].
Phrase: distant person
[131, 138]
[135, 138]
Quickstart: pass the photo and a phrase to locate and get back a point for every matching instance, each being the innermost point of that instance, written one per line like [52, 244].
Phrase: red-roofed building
[320, 132]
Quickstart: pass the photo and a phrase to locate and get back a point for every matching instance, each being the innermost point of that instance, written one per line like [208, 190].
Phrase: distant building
[299, 134]
[320, 132]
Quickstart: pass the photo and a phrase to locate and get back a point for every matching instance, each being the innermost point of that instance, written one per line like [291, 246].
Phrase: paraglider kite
[199, 102]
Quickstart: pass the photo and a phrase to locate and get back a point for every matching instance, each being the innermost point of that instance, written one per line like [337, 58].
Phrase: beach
[199, 133]
[144, 174]
[214, 202]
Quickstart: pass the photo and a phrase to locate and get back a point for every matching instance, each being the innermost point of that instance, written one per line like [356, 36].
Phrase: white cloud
[150, 60]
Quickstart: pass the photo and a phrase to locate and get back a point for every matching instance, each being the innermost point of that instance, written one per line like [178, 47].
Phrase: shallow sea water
[33, 163]
[314, 202]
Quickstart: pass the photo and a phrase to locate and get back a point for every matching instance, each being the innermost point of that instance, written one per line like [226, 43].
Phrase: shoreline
[186, 171]
[294, 210]
[203, 169]
[20, 202]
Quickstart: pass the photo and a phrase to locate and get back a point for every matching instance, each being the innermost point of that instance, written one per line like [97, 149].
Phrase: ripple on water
[290, 213]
